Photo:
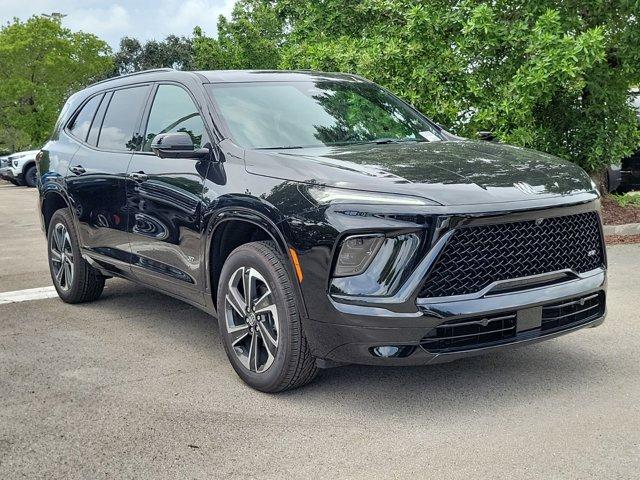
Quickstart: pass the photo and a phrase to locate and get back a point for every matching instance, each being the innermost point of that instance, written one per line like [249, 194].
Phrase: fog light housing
[356, 253]
[392, 351]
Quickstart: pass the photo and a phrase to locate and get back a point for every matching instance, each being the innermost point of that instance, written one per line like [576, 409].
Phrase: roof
[214, 76]
[209, 76]
[273, 75]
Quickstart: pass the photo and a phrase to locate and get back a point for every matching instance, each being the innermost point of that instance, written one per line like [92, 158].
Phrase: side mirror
[486, 136]
[176, 145]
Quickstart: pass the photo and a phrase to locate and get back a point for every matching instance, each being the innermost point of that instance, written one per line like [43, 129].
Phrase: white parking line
[28, 294]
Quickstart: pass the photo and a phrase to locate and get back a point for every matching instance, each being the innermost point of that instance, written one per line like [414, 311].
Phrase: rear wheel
[73, 278]
[259, 320]
[31, 176]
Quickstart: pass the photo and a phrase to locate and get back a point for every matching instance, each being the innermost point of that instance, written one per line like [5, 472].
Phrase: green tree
[251, 39]
[42, 64]
[172, 52]
[543, 74]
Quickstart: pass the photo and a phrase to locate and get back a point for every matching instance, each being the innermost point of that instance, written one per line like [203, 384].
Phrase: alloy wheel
[62, 256]
[251, 319]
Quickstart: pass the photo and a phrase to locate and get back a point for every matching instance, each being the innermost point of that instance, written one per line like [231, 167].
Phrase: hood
[30, 153]
[450, 173]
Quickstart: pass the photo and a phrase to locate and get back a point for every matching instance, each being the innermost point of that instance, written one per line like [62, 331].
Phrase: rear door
[164, 198]
[96, 181]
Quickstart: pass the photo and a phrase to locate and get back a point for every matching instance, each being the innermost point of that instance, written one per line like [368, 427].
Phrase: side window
[120, 126]
[94, 131]
[82, 121]
[173, 110]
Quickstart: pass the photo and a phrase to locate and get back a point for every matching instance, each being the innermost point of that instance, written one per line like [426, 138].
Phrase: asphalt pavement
[137, 385]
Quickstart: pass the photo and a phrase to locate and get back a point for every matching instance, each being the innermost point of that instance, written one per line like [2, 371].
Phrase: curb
[626, 229]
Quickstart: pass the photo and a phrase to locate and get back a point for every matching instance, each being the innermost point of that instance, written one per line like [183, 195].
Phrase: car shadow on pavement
[515, 376]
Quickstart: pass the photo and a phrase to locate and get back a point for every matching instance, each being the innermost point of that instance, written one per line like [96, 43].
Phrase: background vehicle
[20, 168]
[4, 163]
[626, 176]
[320, 218]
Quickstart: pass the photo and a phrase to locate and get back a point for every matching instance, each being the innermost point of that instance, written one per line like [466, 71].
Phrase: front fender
[276, 230]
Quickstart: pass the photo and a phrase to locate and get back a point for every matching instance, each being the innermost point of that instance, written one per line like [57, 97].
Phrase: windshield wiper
[285, 147]
[384, 141]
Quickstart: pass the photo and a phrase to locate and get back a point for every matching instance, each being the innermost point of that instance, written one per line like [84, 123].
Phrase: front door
[164, 200]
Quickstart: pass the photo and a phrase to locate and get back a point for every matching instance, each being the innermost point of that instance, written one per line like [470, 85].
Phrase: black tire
[292, 365]
[86, 283]
[31, 176]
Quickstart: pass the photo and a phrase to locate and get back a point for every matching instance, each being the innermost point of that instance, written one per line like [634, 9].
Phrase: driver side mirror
[176, 145]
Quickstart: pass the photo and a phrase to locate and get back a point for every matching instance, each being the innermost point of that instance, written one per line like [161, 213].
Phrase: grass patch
[627, 199]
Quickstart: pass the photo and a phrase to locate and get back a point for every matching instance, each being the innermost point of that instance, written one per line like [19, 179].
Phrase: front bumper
[7, 173]
[356, 330]
[344, 327]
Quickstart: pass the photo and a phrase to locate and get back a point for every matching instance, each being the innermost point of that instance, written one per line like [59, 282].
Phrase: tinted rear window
[92, 138]
[120, 126]
[80, 125]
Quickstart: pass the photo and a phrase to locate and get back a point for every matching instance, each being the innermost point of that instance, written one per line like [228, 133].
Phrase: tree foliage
[543, 74]
[172, 52]
[42, 63]
[251, 39]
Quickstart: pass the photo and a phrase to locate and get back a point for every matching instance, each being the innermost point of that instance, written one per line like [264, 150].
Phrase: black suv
[320, 218]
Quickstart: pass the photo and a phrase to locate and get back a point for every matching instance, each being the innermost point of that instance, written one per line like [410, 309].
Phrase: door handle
[138, 176]
[78, 169]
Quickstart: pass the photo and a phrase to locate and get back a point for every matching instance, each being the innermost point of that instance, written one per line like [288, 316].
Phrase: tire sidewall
[246, 256]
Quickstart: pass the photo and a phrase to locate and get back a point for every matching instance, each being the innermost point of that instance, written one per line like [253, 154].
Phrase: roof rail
[132, 74]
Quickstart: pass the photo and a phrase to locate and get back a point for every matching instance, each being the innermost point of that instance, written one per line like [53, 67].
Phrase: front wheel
[259, 320]
[31, 176]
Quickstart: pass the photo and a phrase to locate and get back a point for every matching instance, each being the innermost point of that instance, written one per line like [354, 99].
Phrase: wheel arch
[233, 227]
[28, 165]
[51, 202]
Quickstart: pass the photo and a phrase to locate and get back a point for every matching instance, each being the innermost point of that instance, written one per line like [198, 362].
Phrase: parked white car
[20, 168]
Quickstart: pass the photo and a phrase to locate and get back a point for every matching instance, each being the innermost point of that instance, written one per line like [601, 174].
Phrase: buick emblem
[524, 187]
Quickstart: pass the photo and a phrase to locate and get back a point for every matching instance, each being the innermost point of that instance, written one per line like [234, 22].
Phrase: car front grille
[479, 332]
[559, 315]
[476, 256]
[470, 333]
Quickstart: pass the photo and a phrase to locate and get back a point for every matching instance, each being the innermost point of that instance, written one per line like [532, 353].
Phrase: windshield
[316, 113]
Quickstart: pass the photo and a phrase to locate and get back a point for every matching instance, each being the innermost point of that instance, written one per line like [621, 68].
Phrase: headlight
[356, 253]
[328, 195]
[383, 264]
